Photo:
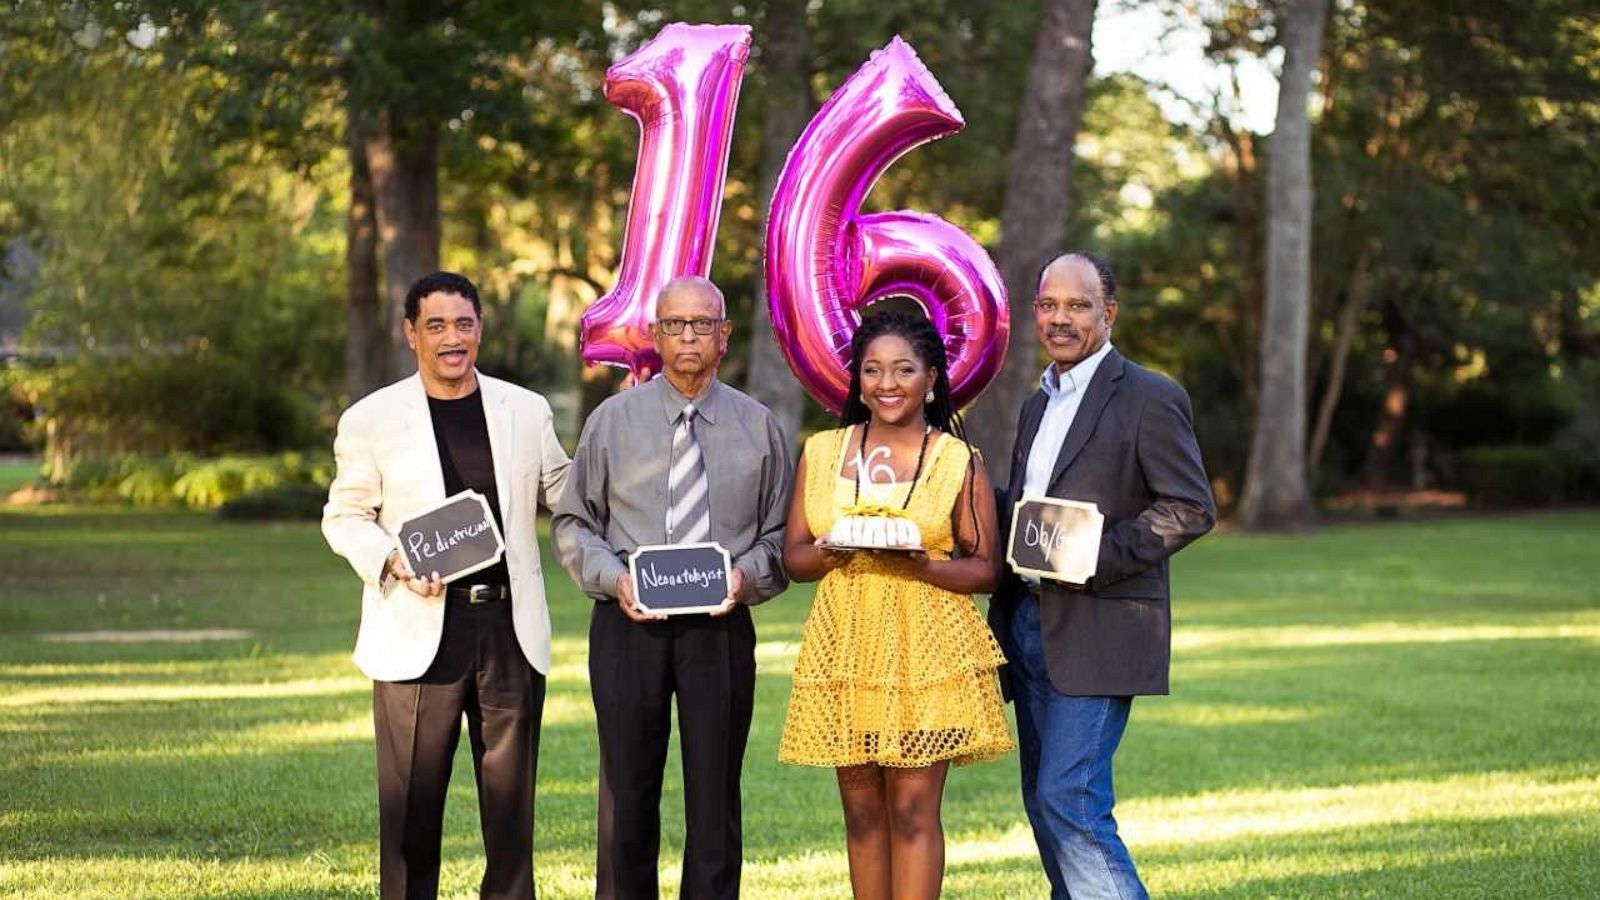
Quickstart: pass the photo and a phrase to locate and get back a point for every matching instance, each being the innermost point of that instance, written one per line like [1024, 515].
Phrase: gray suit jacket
[1131, 450]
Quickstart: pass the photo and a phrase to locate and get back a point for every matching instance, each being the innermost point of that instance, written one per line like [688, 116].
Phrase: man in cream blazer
[479, 646]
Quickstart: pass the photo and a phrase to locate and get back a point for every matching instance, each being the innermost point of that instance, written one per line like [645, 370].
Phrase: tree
[1036, 206]
[400, 70]
[178, 303]
[784, 48]
[1276, 494]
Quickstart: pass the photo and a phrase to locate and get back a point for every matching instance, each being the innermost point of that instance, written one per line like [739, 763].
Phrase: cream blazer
[388, 471]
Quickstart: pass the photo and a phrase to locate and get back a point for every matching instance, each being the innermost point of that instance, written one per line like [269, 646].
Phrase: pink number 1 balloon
[826, 260]
[682, 87]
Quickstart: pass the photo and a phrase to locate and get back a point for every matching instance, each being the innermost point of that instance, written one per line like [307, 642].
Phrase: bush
[147, 481]
[1518, 475]
[182, 479]
[285, 502]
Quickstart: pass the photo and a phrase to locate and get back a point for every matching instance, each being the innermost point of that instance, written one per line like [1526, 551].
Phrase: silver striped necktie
[688, 492]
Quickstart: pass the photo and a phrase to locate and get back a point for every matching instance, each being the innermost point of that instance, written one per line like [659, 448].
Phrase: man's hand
[630, 605]
[426, 587]
[735, 593]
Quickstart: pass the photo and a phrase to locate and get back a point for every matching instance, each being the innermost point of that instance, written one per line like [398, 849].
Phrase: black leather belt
[478, 593]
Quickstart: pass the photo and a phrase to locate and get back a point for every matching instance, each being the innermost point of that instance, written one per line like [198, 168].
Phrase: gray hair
[1108, 283]
[694, 283]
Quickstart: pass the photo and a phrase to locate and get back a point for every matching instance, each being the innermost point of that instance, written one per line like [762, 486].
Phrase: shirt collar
[708, 405]
[1077, 377]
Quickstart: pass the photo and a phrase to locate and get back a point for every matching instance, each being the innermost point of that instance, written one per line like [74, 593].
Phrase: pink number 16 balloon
[682, 87]
[826, 260]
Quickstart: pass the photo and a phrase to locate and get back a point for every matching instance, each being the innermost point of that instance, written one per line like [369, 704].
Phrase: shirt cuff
[608, 570]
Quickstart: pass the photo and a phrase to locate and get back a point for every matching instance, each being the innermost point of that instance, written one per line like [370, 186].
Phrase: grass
[17, 472]
[1402, 710]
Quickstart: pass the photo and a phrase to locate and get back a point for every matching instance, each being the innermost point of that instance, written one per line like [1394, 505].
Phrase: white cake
[886, 532]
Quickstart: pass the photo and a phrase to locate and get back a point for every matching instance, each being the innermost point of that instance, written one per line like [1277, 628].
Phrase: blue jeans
[1067, 744]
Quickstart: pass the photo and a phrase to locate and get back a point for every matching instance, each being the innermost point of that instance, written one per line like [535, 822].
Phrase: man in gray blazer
[1103, 430]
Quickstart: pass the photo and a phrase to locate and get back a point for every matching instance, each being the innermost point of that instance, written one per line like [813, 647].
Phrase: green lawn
[1408, 710]
[15, 472]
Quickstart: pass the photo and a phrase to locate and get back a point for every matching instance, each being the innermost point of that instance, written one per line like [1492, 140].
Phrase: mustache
[1061, 331]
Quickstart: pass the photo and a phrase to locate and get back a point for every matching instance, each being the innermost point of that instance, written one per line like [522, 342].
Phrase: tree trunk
[365, 351]
[1034, 214]
[1576, 341]
[1344, 337]
[1275, 491]
[1243, 344]
[1392, 417]
[785, 47]
[403, 155]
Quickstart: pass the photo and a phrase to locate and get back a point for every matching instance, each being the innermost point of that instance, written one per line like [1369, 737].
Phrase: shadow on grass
[1531, 855]
[230, 801]
[1372, 713]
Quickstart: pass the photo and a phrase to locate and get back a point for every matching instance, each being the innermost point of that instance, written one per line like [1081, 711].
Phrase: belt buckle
[479, 593]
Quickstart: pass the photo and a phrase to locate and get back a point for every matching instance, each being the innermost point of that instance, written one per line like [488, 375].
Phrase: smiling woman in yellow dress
[896, 673]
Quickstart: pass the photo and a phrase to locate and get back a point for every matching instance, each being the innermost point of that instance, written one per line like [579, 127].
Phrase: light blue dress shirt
[1065, 396]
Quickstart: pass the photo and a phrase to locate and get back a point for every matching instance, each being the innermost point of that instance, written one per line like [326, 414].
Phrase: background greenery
[1401, 710]
[175, 211]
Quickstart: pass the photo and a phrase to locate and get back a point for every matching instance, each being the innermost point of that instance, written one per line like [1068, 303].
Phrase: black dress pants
[479, 671]
[635, 668]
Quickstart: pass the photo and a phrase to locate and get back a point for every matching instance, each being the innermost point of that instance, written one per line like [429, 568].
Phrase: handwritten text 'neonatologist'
[420, 545]
[702, 578]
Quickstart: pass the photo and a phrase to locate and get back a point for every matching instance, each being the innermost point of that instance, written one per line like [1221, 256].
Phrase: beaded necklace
[921, 453]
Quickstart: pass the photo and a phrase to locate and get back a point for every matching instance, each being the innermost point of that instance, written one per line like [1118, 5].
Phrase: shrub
[188, 480]
[147, 481]
[212, 483]
[1515, 475]
[284, 502]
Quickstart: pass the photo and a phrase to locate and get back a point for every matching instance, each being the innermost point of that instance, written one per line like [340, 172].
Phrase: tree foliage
[175, 178]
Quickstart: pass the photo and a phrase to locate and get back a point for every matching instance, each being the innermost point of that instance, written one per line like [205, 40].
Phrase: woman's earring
[928, 397]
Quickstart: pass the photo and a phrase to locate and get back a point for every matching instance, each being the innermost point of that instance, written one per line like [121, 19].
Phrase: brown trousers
[479, 671]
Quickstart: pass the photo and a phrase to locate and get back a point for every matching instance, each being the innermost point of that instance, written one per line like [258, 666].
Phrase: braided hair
[928, 346]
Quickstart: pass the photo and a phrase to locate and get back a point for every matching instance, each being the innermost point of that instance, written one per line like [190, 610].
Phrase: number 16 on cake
[1055, 539]
[680, 578]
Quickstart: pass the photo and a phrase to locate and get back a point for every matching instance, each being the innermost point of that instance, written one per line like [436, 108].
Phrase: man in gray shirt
[682, 458]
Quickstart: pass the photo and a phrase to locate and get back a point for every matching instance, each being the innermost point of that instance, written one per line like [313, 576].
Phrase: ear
[1111, 312]
[410, 333]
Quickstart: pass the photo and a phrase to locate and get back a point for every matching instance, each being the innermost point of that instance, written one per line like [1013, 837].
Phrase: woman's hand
[831, 558]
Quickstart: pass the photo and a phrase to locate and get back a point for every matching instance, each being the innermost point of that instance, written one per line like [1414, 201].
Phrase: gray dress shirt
[616, 497]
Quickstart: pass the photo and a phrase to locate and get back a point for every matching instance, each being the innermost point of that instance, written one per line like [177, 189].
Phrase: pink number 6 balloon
[826, 260]
[682, 87]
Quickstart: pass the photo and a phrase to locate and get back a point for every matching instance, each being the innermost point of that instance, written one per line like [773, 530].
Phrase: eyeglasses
[700, 326]
[1076, 307]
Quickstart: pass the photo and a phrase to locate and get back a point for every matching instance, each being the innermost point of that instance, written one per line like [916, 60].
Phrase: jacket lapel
[418, 432]
[1101, 389]
[1032, 415]
[502, 421]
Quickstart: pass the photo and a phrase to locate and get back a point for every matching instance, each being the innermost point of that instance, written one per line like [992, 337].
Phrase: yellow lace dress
[892, 670]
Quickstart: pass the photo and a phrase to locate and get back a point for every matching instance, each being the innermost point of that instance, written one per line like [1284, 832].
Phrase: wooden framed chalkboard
[455, 539]
[672, 579]
[1055, 539]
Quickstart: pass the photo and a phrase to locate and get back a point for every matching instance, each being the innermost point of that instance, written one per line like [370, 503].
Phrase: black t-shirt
[462, 434]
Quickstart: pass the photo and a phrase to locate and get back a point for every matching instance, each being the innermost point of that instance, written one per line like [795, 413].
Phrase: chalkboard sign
[456, 538]
[680, 578]
[1055, 539]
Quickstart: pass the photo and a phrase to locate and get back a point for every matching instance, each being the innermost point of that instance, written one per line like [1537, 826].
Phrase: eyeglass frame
[704, 327]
